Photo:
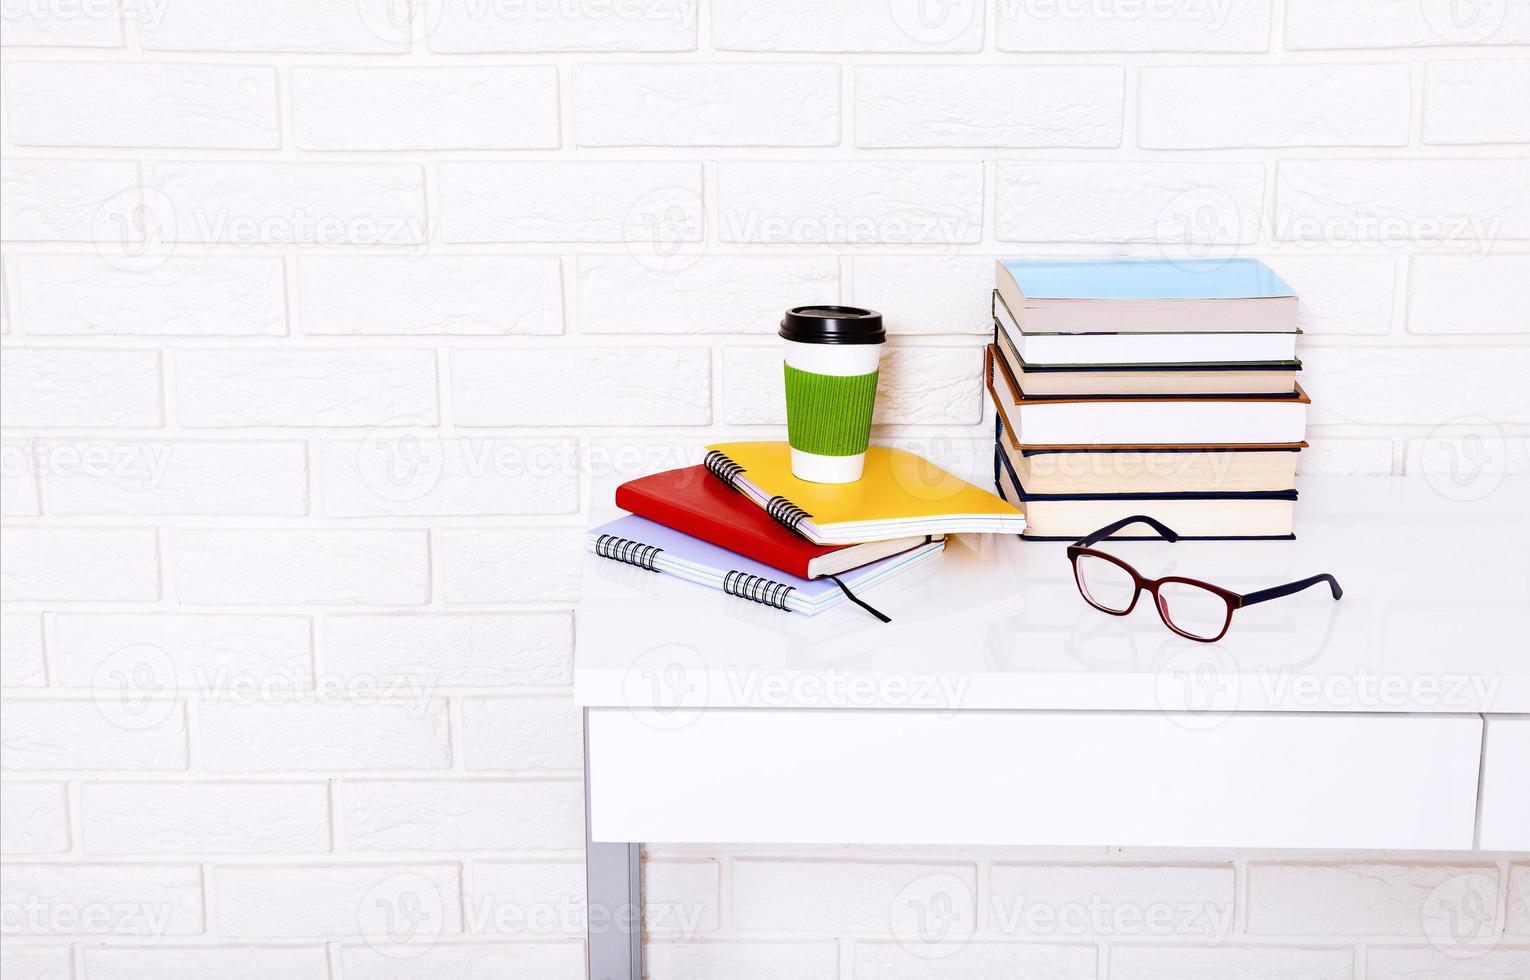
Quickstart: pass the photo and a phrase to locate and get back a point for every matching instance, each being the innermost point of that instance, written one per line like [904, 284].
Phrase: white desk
[999, 709]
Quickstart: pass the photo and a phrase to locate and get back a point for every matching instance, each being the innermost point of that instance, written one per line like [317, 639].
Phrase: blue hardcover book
[1146, 296]
[646, 544]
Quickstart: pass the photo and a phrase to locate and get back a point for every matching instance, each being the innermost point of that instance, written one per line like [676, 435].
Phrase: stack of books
[742, 523]
[1158, 387]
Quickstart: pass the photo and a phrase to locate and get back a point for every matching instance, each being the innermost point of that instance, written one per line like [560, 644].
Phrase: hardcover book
[1146, 421]
[1068, 517]
[1169, 346]
[1153, 295]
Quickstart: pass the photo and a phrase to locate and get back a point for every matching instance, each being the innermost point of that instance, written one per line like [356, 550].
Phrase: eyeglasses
[1194, 609]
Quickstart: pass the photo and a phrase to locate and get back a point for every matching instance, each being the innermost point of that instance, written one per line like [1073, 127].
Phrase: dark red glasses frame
[1233, 599]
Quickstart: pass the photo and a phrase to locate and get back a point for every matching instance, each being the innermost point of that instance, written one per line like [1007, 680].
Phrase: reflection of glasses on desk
[1194, 609]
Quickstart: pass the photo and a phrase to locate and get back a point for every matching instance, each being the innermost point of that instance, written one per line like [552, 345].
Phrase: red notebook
[694, 502]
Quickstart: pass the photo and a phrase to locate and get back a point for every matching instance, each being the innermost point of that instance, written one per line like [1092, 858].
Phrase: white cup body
[839, 360]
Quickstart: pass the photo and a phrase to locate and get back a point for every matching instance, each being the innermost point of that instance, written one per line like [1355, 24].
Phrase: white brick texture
[322, 322]
[1462, 103]
[915, 106]
[192, 296]
[1323, 105]
[462, 294]
[104, 104]
[425, 108]
[1167, 203]
[567, 202]
[1328, 24]
[860, 203]
[706, 105]
[850, 26]
[1063, 25]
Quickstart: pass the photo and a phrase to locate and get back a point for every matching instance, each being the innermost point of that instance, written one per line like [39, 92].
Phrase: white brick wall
[315, 316]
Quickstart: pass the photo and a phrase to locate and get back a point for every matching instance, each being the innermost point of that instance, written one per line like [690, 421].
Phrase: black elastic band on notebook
[853, 598]
[723, 467]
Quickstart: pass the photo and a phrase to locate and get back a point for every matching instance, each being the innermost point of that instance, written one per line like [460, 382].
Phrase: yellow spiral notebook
[899, 494]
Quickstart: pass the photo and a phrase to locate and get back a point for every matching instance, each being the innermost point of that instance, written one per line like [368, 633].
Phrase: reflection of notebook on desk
[899, 494]
[645, 544]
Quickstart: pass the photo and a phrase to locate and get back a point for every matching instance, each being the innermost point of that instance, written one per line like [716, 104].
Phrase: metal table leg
[614, 897]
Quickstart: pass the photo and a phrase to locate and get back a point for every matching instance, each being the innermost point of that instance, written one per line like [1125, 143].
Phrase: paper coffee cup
[831, 357]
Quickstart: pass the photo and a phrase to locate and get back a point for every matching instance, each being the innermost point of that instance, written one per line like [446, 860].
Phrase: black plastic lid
[833, 325]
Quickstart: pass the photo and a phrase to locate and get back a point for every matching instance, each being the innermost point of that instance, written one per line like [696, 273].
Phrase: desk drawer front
[1045, 778]
[1506, 785]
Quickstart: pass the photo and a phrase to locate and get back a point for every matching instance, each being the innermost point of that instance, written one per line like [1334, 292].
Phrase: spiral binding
[722, 467]
[626, 550]
[785, 513]
[757, 588]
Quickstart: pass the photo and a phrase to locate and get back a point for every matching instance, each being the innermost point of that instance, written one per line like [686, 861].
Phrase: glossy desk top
[1435, 618]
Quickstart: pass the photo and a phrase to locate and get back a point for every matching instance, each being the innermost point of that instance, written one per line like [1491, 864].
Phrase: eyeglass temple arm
[1291, 588]
[1163, 530]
